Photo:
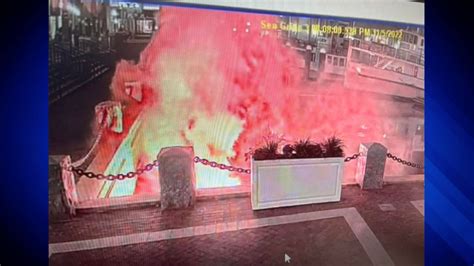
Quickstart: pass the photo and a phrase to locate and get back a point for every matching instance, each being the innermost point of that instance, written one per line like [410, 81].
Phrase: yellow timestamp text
[336, 29]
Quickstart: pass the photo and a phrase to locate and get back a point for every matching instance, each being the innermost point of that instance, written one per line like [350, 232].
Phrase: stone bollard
[62, 195]
[109, 114]
[177, 177]
[371, 165]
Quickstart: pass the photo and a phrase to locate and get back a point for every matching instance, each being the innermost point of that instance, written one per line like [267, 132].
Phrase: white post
[62, 198]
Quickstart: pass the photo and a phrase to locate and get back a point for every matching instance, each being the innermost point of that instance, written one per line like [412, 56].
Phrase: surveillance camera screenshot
[185, 135]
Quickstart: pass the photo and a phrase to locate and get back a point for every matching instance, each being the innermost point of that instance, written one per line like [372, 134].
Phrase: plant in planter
[332, 147]
[305, 172]
[288, 151]
[307, 149]
[268, 152]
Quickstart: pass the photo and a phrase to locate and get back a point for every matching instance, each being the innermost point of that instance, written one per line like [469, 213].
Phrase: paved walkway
[382, 227]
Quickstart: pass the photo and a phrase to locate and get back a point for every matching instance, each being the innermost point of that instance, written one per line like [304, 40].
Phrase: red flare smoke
[229, 67]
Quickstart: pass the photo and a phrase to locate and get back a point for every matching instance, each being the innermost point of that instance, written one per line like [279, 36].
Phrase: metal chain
[353, 157]
[80, 162]
[221, 166]
[149, 167]
[111, 177]
[407, 163]
[212, 164]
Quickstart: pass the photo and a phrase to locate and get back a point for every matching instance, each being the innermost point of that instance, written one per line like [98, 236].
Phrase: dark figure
[76, 36]
[59, 35]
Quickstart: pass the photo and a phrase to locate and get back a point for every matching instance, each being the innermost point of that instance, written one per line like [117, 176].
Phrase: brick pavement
[399, 231]
[324, 242]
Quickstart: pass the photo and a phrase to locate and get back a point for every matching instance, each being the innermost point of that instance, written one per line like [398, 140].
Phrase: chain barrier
[407, 163]
[81, 161]
[111, 177]
[212, 164]
[150, 166]
[353, 157]
[221, 166]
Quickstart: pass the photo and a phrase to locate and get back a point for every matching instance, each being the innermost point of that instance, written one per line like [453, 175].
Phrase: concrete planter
[290, 182]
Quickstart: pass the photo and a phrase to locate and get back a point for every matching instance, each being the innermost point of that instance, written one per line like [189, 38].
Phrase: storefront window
[145, 26]
[341, 62]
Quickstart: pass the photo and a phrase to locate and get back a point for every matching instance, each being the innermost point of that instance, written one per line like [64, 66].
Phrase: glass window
[365, 58]
[405, 37]
[355, 55]
[329, 59]
[341, 62]
[356, 43]
[335, 61]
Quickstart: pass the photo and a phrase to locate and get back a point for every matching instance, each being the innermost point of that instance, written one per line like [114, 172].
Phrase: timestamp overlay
[335, 29]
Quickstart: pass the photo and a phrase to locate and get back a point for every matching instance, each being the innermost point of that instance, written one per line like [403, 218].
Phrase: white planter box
[290, 182]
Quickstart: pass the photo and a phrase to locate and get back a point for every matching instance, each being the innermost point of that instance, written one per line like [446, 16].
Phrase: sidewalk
[227, 232]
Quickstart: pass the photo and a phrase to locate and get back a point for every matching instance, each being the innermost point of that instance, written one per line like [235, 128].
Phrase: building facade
[383, 65]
